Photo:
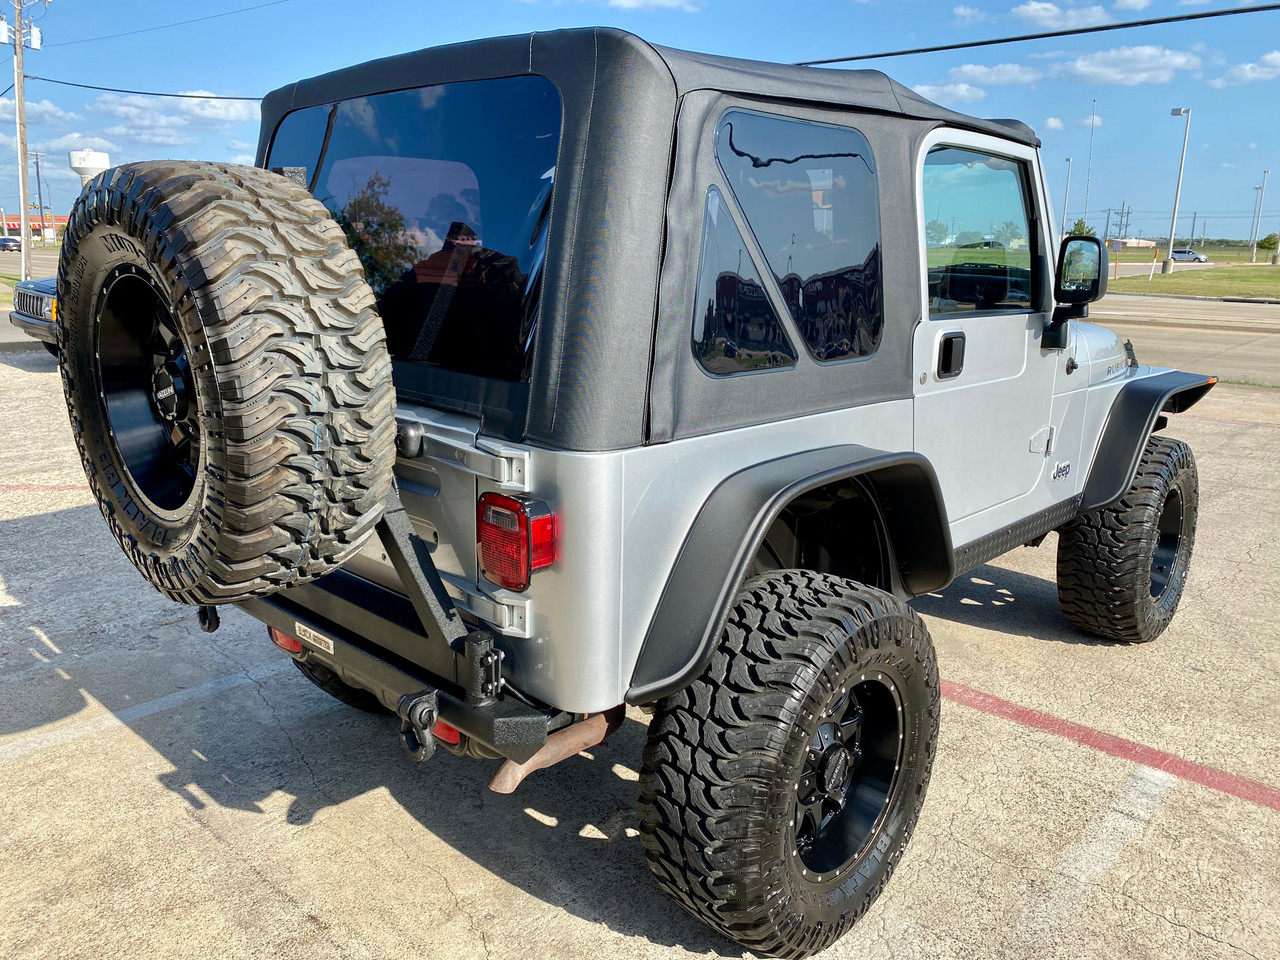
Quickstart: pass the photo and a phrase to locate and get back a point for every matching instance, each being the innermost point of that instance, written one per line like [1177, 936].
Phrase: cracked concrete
[271, 821]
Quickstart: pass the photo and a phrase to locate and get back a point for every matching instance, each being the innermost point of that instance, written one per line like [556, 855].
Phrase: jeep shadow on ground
[1005, 601]
[568, 836]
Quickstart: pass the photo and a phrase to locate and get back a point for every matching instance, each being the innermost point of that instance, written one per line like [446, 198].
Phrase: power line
[139, 93]
[166, 26]
[1073, 32]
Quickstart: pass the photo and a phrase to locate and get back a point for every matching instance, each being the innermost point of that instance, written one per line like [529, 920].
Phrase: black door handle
[951, 355]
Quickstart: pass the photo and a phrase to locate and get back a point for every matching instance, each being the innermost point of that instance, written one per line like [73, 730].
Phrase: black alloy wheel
[849, 775]
[153, 410]
[1169, 531]
[780, 788]
[1122, 568]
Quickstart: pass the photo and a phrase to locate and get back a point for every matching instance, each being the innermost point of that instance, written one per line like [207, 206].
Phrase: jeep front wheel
[226, 375]
[780, 788]
[1122, 569]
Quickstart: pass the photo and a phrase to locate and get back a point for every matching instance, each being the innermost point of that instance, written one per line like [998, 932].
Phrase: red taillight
[284, 641]
[515, 539]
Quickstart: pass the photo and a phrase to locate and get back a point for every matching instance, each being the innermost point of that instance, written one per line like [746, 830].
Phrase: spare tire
[226, 375]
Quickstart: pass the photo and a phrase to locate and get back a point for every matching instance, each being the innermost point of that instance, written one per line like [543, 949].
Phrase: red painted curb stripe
[1210, 777]
[39, 487]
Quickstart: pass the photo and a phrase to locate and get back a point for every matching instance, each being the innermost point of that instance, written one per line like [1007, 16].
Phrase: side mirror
[1082, 271]
[1081, 279]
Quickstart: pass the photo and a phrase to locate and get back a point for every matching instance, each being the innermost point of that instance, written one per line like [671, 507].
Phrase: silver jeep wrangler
[531, 378]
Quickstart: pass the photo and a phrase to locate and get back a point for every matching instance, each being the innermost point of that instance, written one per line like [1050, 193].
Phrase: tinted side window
[734, 328]
[808, 190]
[444, 193]
[978, 237]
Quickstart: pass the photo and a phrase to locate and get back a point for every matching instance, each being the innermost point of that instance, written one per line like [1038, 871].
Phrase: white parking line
[43, 740]
[1083, 864]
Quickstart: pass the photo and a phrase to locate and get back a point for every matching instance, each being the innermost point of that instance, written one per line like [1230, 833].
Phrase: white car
[1191, 256]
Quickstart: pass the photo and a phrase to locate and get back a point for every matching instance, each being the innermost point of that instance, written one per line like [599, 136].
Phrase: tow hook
[418, 714]
[208, 617]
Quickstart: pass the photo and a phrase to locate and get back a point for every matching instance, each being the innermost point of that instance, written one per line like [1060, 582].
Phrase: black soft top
[605, 319]
[869, 89]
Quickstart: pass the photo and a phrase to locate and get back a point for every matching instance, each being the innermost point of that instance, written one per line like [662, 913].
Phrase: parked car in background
[1189, 255]
[10, 243]
[35, 308]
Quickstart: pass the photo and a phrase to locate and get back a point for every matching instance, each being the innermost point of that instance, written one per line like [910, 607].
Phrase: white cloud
[77, 141]
[1052, 123]
[38, 111]
[1050, 16]
[1129, 66]
[950, 92]
[653, 5]
[966, 14]
[244, 158]
[216, 111]
[1001, 73]
[1193, 3]
[1267, 68]
[1090, 121]
[1132, 4]
[152, 137]
[241, 145]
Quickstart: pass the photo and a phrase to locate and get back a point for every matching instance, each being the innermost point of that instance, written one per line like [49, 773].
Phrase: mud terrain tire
[226, 375]
[747, 773]
[1122, 569]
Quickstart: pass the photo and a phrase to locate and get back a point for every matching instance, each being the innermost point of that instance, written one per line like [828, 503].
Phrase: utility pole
[4, 222]
[19, 37]
[20, 110]
[1106, 231]
[1088, 175]
[40, 199]
[1177, 193]
[1065, 194]
[1257, 222]
[1192, 234]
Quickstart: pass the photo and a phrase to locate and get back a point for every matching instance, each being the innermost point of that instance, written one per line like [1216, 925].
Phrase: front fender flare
[1129, 424]
[734, 520]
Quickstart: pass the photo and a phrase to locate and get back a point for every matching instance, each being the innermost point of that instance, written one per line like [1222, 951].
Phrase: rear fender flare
[732, 523]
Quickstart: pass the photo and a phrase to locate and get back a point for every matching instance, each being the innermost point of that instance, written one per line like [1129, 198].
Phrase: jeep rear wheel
[1122, 569]
[226, 375]
[780, 788]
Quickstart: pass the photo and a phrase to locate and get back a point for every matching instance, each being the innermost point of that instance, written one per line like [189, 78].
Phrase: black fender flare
[734, 520]
[1129, 424]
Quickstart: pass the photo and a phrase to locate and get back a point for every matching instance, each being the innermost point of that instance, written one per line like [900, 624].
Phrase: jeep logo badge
[1060, 470]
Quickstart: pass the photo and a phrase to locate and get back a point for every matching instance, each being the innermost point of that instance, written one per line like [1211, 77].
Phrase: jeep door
[983, 385]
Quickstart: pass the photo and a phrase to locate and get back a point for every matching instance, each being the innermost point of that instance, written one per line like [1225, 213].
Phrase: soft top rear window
[444, 193]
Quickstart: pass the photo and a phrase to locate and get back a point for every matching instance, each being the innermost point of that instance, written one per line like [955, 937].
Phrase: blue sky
[1226, 70]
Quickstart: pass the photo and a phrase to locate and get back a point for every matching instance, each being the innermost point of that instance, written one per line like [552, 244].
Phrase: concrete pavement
[169, 794]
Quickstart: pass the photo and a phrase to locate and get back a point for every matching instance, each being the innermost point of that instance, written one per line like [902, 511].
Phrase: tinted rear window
[444, 193]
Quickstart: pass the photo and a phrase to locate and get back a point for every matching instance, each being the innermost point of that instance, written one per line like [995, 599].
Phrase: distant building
[1127, 242]
[55, 223]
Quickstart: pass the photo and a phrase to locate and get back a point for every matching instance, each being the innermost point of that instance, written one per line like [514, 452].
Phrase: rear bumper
[376, 647]
[36, 327]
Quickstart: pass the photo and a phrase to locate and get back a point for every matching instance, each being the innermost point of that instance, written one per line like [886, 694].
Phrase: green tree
[935, 233]
[1269, 242]
[375, 230]
[1008, 232]
[967, 237]
[1081, 229]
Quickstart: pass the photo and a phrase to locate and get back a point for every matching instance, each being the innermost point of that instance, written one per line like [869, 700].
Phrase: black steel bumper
[36, 327]
[379, 646]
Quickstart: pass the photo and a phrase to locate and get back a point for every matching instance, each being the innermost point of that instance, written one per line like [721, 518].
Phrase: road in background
[170, 793]
[1235, 341]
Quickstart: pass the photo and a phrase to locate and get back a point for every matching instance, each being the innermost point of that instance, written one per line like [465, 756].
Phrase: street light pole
[1177, 193]
[1065, 193]
[1257, 220]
